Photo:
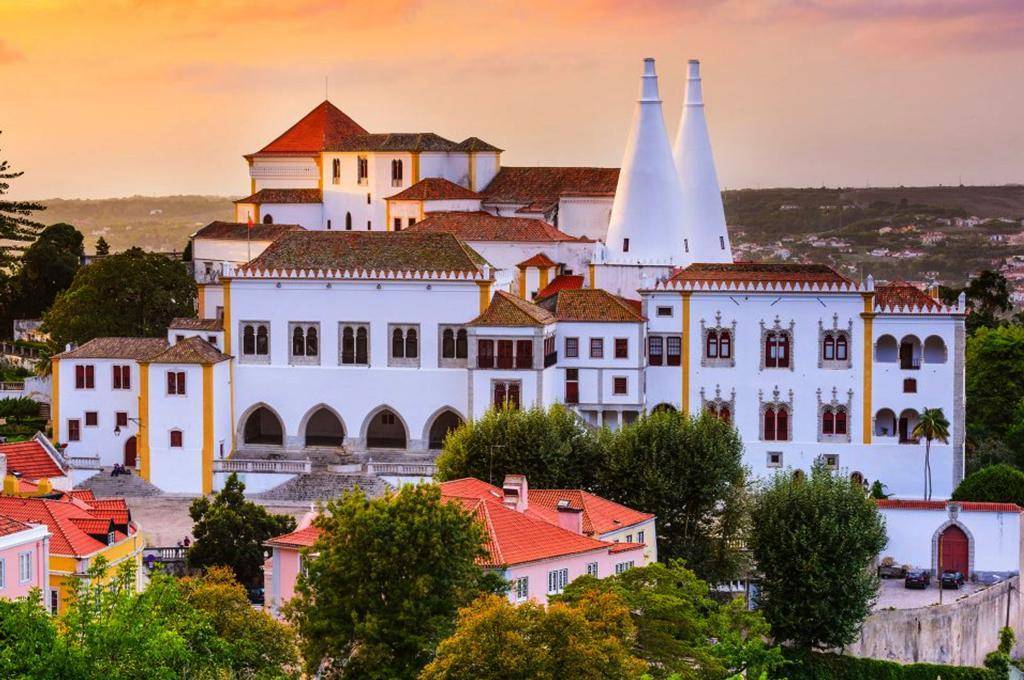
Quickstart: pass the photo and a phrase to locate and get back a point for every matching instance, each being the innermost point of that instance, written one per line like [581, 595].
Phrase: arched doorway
[263, 427]
[130, 452]
[386, 431]
[324, 428]
[445, 422]
[954, 550]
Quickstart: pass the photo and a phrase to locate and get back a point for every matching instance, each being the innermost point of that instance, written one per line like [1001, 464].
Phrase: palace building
[378, 289]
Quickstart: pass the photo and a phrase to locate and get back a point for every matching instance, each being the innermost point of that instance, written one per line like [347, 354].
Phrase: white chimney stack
[704, 215]
[647, 215]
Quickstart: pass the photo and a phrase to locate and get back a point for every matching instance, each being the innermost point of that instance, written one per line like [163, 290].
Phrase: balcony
[294, 467]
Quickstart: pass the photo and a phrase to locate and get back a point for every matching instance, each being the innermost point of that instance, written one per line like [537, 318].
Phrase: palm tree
[932, 425]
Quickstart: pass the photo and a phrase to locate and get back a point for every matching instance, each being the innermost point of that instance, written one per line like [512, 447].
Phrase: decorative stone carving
[777, 328]
[835, 406]
[705, 331]
[775, 402]
[716, 403]
[836, 332]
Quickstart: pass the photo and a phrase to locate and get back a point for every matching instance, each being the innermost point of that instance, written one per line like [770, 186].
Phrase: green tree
[102, 247]
[16, 228]
[259, 645]
[689, 472]
[813, 541]
[128, 294]
[590, 637]
[28, 639]
[931, 426]
[47, 268]
[682, 632]
[995, 484]
[386, 583]
[995, 380]
[230, 531]
[988, 299]
[552, 448]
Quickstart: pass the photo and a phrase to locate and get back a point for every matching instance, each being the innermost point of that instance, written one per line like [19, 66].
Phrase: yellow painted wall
[207, 428]
[866, 408]
[55, 399]
[685, 359]
[142, 439]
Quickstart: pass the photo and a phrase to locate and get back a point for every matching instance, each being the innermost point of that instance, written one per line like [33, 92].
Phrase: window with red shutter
[782, 425]
[500, 394]
[524, 353]
[172, 385]
[121, 419]
[769, 425]
[572, 386]
[619, 386]
[90, 377]
[181, 382]
[828, 422]
[176, 439]
[79, 377]
[841, 421]
[91, 418]
[117, 377]
[621, 348]
[485, 353]
[655, 350]
[505, 353]
[674, 351]
[74, 433]
[513, 395]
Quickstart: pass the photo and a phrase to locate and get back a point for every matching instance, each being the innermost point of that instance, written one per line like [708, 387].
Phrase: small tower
[704, 216]
[646, 223]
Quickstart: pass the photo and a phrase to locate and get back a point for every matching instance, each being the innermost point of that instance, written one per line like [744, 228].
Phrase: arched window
[397, 344]
[776, 350]
[782, 424]
[362, 350]
[448, 344]
[396, 173]
[348, 345]
[298, 342]
[268, 219]
[842, 348]
[828, 422]
[828, 348]
[857, 479]
[411, 347]
[712, 348]
[248, 340]
[336, 171]
[725, 345]
[262, 341]
[312, 344]
[461, 344]
[770, 424]
[724, 414]
[176, 439]
[305, 342]
[348, 221]
[841, 421]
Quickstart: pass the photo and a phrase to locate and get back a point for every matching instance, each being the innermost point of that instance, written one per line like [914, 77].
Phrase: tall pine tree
[16, 228]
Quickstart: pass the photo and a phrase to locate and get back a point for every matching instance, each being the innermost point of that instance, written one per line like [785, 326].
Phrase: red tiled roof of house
[137, 349]
[561, 282]
[394, 141]
[965, 506]
[302, 538]
[590, 304]
[434, 189]
[185, 323]
[30, 460]
[83, 494]
[62, 518]
[320, 129]
[759, 272]
[191, 350]
[475, 144]
[483, 226]
[539, 260]
[239, 231]
[94, 526]
[10, 526]
[600, 515]
[508, 310]
[284, 196]
[544, 185]
[899, 294]
[471, 487]
[626, 547]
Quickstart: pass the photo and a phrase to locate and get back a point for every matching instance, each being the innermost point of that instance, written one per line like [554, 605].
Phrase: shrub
[821, 666]
[1000, 483]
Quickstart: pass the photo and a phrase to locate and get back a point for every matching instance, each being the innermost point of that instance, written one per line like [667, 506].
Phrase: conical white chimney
[647, 216]
[704, 216]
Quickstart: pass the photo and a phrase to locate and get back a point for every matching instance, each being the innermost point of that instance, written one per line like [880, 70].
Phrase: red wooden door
[954, 548]
[130, 452]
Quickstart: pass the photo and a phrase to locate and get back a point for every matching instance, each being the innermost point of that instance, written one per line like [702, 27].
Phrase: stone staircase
[321, 486]
[126, 486]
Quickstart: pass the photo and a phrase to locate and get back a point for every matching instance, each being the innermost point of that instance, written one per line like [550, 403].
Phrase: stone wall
[960, 633]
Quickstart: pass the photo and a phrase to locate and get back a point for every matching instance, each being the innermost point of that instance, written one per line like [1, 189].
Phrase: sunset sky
[106, 98]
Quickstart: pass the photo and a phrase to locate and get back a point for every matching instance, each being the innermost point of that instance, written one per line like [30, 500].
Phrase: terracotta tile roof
[117, 516]
[82, 494]
[10, 526]
[193, 324]
[544, 185]
[561, 282]
[93, 525]
[626, 547]
[434, 189]
[759, 272]
[508, 310]
[30, 460]
[318, 130]
[483, 226]
[600, 515]
[471, 487]
[62, 518]
[284, 196]
[239, 231]
[303, 538]
[372, 250]
[103, 503]
[899, 294]
[590, 304]
[394, 141]
[965, 506]
[475, 144]
[539, 260]
[191, 350]
[137, 349]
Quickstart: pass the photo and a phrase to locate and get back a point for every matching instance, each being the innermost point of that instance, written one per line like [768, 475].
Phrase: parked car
[917, 578]
[891, 570]
[952, 580]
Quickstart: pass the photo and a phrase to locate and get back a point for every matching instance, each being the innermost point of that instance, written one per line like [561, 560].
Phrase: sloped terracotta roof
[394, 141]
[284, 196]
[966, 506]
[184, 323]
[483, 226]
[508, 310]
[626, 547]
[66, 538]
[81, 494]
[759, 272]
[303, 538]
[434, 189]
[320, 129]
[239, 231]
[475, 144]
[561, 282]
[600, 515]
[191, 350]
[371, 250]
[544, 185]
[899, 294]
[10, 526]
[30, 460]
[137, 349]
[93, 525]
[539, 260]
[589, 304]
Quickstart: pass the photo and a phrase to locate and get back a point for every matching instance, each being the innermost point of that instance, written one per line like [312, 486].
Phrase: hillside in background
[917, 233]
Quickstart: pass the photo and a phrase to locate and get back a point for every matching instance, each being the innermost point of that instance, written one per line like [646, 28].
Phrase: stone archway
[263, 427]
[386, 430]
[323, 427]
[443, 422]
[957, 546]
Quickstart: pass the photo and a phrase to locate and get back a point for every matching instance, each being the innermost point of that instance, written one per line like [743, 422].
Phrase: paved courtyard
[892, 595]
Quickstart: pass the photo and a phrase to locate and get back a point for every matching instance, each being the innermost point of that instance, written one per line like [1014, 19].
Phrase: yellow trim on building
[255, 213]
[415, 167]
[592, 270]
[422, 213]
[252, 186]
[684, 362]
[201, 300]
[319, 172]
[472, 171]
[485, 294]
[227, 316]
[522, 283]
[387, 215]
[869, 318]
[544, 273]
[207, 428]
[55, 398]
[231, 395]
[143, 437]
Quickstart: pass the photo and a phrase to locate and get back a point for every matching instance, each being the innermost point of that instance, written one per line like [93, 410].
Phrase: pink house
[538, 549]
[24, 557]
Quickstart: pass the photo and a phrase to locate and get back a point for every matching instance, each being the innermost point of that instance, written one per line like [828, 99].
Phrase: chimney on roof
[703, 213]
[515, 493]
[569, 518]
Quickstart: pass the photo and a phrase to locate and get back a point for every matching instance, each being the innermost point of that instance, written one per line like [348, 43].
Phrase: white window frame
[558, 579]
[592, 569]
[24, 567]
[623, 567]
[521, 588]
[304, 359]
[3, 573]
[768, 459]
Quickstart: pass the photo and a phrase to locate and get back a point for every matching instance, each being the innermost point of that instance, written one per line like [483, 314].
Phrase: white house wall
[585, 216]
[308, 215]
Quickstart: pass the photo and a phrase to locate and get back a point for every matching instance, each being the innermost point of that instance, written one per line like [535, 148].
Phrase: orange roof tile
[539, 260]
[590, 304]
[320, 129]
[475, 144]
[137, 349]
[63, 519]
[10, 526]
[185, 323]
[561, 282]
[30, 460]
[544, 185]
[508, 310]
[434, 189]
[303, 538]
[759, 272]
[284, 196]
[483, 226]
[240, 231]
[966, 506]
[899, 294]
[83, 494]
[191, 350]
[600, 515]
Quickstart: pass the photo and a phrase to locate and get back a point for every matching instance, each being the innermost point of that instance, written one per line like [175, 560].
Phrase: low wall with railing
[292, 467]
